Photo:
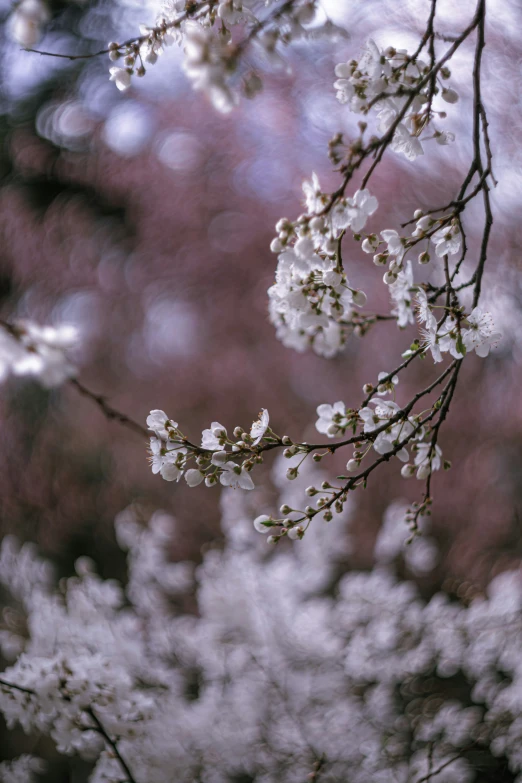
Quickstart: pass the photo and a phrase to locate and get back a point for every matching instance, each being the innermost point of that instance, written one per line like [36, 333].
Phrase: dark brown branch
[99, 727]
[108, 411]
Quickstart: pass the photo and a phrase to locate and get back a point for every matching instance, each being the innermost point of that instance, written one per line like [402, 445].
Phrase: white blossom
[38, 351]
[332, 419]
[480, 335]
[121, 78]
[158, 421]
[214, 437]
[236, 477]
[427, 459]
[165, 461]
[447, 240]
[259, 427]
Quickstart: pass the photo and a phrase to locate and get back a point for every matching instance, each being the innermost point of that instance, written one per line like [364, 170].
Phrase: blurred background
[145, 218]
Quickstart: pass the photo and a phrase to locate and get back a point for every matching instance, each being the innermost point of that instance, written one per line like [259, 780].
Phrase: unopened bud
[381, 259]
[449, 95]
[359, 298]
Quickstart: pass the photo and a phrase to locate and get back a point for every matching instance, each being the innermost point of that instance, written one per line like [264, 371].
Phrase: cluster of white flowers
[396, 86]
[386, 418]
[172, 453]
[443, 232]
[312, 302]
[212, 56]
[456, 333]
[37, 351]
[24, 769]
[273, 674]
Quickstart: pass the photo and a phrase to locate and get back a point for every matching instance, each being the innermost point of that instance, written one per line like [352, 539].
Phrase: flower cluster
[219, 460]
[456, 333]
[24, 769]
[37, 351]
[212, 54]
[390, 249]
[387, 427]
[400, 89]
[312, 302]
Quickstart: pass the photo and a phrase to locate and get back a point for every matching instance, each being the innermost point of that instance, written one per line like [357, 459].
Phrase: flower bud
[423, 472]
[449, 95]
[292, 473]
[343, 71]
[259, 523]
[424, 223]
[389, 277]
[359, 298]
[352, 466]
[285, 509]
[194, 477]
[330, 247]
[276, 246]
[407, 471]
[424, 258]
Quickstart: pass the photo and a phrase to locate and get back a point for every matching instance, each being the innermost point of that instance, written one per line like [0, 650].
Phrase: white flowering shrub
[293, 667]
